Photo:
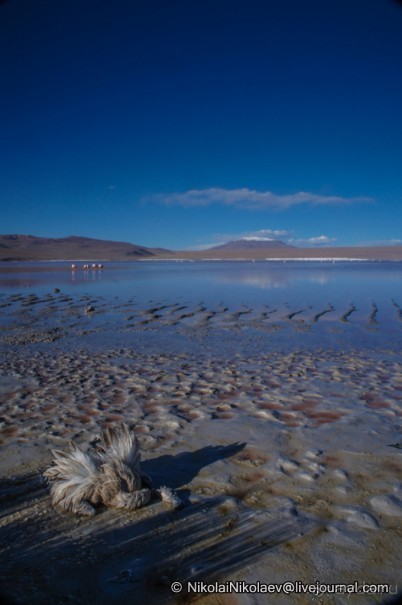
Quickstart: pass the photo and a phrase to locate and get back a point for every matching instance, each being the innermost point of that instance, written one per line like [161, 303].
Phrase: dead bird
[109, 475]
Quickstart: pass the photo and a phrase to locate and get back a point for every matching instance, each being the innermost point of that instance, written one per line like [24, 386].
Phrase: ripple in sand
[388, 505]
[357, 517]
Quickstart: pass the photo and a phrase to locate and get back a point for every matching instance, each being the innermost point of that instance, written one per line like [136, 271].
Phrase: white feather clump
[110, 475]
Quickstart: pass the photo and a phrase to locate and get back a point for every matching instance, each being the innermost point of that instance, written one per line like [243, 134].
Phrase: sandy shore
[287, 459]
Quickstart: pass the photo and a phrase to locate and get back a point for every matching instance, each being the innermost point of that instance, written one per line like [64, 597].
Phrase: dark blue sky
[186, 123]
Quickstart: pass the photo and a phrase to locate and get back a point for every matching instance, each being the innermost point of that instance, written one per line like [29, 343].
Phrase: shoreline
[4, 264]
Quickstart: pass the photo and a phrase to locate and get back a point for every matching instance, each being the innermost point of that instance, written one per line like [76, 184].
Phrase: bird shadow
[134, 556]
[17, 492]
[178, 470]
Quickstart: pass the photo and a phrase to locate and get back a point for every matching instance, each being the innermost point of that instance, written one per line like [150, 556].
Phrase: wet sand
[104, 321]
[280, 429]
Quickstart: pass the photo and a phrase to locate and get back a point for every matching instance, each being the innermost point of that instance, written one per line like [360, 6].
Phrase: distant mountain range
[73, 248]
[251, 243]
[254, 249]
[29, 247]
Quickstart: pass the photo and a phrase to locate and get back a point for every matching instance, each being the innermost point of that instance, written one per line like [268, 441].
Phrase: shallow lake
[344, 301]
[215, 279]
[251, 283]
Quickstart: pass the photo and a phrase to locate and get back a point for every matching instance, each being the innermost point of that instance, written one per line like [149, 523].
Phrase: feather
[74, 479]
[120, 444]
[132, 501]
[167, 495]
[110, 476]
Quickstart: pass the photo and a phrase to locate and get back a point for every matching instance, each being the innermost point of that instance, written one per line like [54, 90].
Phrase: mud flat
[287, 457]
[102, 322]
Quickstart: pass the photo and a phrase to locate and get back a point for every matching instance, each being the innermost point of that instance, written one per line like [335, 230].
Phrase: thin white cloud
[393, 242]
[249, 199]
[382, 242]
[266, 234]
[319, 240]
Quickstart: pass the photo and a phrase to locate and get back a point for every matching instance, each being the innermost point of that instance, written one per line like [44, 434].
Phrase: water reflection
[158, 298]
[267, 280]
[212, 280]
[86, 275]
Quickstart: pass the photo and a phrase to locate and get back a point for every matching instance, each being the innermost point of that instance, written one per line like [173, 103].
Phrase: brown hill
[289, 252]
[251, 244]
[73, 248]
[31, 248]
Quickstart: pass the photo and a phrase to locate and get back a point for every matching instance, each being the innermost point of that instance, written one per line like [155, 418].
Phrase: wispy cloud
[266, 234]
[393, 242]
[382, 242]
[249, 199]
[319, 240]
